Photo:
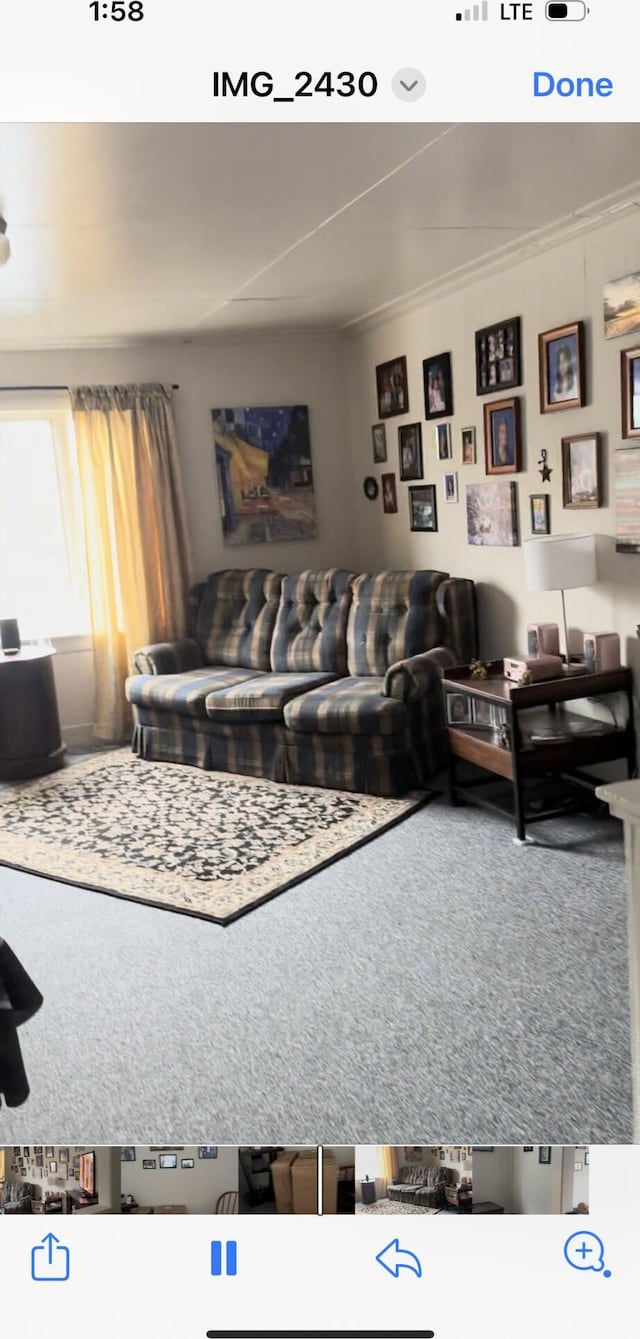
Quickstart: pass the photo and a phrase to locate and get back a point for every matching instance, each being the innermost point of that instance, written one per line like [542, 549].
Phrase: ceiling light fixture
[5, 245]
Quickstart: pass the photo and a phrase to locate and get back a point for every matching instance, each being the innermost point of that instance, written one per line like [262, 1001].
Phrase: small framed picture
[148, 1164]
[26, 1152]
[49, 1151]
[498, 357]
[63, 1155]
[128, 1154]
[208, 1151]
[468, 446]
[410, 451]
[37, 1148]
[379, 439]
[582, 471]
[423, 511]
[502, 441]
[438, 386]
[630, 367]
[483, 1148]
[53, 1167]
[168, 1161]
[528, 1148]
[562, 368]
[443, 441]
[371, 488]
[482, 712]
[459, 709]
[539, 504]
[39, 1160]
[389, 494]
[187, 1163]
[392, 388]
[586, 1157]
[450, 487]
[544, 1154]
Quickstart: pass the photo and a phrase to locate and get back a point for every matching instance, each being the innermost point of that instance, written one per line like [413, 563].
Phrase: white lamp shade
[560, 562]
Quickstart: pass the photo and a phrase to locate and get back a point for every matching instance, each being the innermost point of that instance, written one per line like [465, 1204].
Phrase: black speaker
[9, 635]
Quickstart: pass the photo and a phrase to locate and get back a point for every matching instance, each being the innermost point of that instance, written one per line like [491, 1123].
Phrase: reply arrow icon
[393, 1259]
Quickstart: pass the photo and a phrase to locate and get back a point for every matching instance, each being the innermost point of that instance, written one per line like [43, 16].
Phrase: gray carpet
[396, 1207]
[438, 985]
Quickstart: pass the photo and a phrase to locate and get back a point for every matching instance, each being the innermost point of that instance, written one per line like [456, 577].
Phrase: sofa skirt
[372, 765]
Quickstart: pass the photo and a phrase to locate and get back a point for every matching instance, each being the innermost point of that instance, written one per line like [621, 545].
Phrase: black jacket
[19, 1001]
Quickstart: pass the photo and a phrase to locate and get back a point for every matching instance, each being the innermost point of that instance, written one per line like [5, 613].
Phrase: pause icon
[224, 1261]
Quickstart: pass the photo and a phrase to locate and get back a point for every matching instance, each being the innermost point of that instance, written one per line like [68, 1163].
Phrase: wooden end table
[30, 740]
[490, 723]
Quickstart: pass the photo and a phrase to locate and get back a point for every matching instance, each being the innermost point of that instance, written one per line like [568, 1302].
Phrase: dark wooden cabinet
[30, 740]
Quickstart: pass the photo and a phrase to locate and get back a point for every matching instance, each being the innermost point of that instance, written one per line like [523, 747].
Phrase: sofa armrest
[168, 657]
[412, 679]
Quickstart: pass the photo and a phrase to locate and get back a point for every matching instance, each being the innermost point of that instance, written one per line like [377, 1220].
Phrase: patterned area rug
[208, 844]
[394, 1207]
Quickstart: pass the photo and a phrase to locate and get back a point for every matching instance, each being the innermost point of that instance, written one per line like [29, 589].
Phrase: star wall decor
[545, 470]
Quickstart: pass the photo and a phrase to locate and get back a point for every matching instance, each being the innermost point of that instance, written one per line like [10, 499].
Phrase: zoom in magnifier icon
[585, 1251]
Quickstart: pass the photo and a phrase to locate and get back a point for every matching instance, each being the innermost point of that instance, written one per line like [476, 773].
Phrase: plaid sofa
[421, 1185]
[322, 678]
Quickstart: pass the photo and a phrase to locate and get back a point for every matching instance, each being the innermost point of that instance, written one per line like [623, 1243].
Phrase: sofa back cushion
[393, 615]
[236, 616]
[311, 625]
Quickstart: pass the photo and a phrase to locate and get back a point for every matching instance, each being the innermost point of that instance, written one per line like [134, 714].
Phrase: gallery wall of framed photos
[526, 382]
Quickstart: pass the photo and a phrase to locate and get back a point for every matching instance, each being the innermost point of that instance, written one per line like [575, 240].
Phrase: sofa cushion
[311, 624]
[355, 706]
[184, 694]
[236, 617]
[260, 699]
[393, 615]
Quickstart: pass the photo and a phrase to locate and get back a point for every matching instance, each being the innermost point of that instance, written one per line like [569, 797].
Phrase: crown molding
[591, 218]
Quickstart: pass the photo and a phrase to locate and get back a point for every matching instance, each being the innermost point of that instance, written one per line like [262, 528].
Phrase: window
[43, 581]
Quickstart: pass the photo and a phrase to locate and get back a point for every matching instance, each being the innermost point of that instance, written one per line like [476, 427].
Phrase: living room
[398, 909]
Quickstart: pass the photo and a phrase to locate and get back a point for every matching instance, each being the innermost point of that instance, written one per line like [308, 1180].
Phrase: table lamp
[560, 562]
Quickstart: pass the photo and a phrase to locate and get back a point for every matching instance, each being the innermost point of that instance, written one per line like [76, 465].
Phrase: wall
[198, 1188]
[301, 370]
[492, 1177]
[562, 285]
[537, 1188]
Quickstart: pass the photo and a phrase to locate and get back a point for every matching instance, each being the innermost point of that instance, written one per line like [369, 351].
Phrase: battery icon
[572, 11]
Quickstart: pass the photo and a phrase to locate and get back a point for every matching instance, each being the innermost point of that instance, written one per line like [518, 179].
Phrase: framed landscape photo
[423, 510]
[468, 446]
[502, 440]
[562, 368]
[187, 1163]
[389, 494]
[410, 451]
[622, 306]
[168, 1162]
[539, 505]
[208, 1151]
[498, 357]
[630, 375]
[438, 386]
[492, 514]
[379, 439]
[148, 1164]
[582, 471]
[392, 387]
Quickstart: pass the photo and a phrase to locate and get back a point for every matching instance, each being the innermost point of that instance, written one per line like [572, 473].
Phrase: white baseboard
[77, 735]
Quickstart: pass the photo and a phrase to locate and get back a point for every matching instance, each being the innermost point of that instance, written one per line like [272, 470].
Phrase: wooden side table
[30, 740]
[492, 724]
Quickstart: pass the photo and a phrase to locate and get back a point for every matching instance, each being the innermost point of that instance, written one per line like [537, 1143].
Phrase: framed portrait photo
[502, 440]
[370, 488]
[544, 1154]
[540, 514]
[443, 441]
[450, 487]
[423, 510]
[128, 1154]
[582, 471]
[438, 386]
[562, 368]
[392, 388]
[459, 709]
[630, 360]
[410, 451]
[389, 494]
[379, 440]
[468, 446]
[208, 1151]
[498, 357]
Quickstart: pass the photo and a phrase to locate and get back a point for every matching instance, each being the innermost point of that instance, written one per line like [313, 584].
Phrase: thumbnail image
[50, 1178]
[285, 1180]
[484, 1179]
[192, 1179]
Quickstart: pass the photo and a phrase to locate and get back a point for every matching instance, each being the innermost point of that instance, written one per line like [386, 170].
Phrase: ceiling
[123, 233]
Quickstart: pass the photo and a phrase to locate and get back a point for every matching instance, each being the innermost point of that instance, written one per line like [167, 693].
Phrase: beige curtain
[135, 532]
[389, 1165]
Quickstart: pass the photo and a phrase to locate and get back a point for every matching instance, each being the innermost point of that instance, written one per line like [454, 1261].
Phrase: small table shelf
[30, 740]
[526, 733]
